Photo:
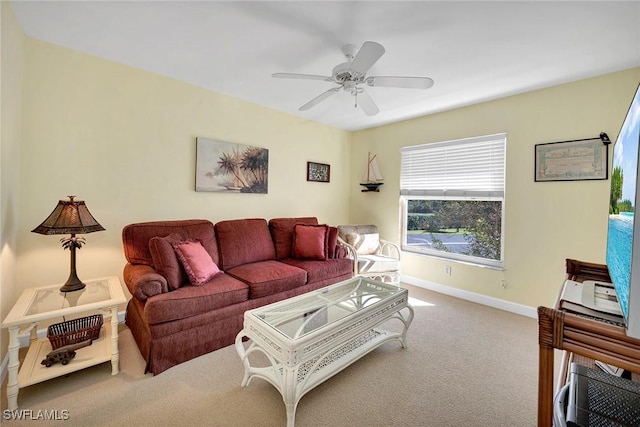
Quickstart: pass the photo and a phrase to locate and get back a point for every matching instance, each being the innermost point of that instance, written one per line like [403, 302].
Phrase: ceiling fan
[351, 76]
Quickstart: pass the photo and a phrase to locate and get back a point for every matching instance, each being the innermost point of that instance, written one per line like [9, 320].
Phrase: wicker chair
[373, 257]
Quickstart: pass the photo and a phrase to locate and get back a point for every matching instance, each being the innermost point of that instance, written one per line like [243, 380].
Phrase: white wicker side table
[47, 302]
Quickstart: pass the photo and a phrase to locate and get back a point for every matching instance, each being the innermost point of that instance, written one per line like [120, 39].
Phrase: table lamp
[70, 217]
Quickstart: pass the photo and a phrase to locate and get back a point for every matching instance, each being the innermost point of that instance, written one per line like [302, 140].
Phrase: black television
[623, 234]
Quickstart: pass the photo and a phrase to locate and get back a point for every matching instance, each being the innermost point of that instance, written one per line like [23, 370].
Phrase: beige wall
[10, 116]
[124, 140]
[545, 223]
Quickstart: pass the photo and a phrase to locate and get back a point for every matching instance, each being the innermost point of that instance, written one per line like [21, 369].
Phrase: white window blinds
[471, 167]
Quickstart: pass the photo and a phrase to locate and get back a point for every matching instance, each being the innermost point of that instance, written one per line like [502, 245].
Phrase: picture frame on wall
[226, 167]
[318, 172]
[578, 160]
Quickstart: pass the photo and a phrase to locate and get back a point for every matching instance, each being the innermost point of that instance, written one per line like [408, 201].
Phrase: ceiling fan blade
[401, 82]
[301, 76]
[368, 54]
[319, 98]
[366, 103]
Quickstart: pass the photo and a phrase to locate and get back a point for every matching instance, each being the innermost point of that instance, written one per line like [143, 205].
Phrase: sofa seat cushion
[188, 300]
[269, 277]
[321, 270]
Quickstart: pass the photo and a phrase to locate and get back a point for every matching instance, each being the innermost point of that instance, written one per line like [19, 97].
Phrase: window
[452, 198]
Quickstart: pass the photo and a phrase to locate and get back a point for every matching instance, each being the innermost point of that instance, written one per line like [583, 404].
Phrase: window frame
[468, 259]
[489, 196]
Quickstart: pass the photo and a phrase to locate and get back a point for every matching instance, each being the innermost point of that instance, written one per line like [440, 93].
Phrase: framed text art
[579, 160]
[231, 168]
[318, 172]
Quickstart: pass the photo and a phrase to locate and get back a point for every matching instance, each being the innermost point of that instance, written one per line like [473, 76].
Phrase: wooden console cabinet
[579, 335]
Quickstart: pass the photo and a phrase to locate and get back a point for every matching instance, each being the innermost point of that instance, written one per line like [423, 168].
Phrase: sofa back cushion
[135, 237]
[282, 233]
[241, 241]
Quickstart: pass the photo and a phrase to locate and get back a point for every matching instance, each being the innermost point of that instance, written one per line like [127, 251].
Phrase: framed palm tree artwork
[231, 168]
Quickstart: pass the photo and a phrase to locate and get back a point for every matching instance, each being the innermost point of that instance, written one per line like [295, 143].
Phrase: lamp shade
[69, 217]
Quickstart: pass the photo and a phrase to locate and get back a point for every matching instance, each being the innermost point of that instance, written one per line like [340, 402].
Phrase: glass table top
[50, 298]
[301, 315]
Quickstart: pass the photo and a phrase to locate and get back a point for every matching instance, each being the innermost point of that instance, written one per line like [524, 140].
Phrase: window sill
[461, 259]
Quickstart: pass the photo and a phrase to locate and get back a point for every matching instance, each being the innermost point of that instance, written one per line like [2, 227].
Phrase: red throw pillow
[332, 241]
[165, 260]
[309, 241]
[196, 262]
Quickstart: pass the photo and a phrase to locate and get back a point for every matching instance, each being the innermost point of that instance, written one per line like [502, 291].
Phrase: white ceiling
[474, 51]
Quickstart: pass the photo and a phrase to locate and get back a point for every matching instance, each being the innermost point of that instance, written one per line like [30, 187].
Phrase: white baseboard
[523, 310]
[24, 342]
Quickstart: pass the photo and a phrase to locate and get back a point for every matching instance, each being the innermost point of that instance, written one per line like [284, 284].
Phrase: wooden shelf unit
[580, 336]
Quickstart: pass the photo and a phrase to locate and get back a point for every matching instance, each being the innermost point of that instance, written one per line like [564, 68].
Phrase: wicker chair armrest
[351, 253]
[389, 249]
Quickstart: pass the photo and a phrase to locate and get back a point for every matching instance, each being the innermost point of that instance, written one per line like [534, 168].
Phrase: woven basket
[74, 331]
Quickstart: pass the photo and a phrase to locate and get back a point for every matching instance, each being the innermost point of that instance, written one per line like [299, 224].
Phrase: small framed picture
[318, 172]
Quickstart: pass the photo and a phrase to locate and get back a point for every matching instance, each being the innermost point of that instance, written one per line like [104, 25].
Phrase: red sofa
[174, 320]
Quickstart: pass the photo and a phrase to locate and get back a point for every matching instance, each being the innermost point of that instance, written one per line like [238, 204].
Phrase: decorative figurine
[64, 354]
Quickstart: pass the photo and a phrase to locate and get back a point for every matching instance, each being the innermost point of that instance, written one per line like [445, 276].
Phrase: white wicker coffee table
[309, 338]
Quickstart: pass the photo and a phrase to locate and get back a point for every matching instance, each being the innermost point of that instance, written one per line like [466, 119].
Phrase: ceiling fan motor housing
[341, 73]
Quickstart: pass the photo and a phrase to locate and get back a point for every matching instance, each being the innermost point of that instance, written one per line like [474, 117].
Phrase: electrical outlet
[504, 284]
[447, 270]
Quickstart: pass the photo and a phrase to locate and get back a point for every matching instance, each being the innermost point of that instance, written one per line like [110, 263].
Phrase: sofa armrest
[144, 281]
[389, 249]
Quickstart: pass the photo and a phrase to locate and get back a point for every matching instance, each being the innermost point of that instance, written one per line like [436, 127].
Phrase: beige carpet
[465, 364]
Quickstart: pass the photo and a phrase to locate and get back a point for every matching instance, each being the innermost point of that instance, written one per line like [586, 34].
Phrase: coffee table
[309, 338]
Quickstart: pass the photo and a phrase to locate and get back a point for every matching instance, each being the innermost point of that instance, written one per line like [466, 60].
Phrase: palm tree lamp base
[72, 284]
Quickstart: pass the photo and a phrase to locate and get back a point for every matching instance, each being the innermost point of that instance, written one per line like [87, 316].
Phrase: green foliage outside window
[478, 221]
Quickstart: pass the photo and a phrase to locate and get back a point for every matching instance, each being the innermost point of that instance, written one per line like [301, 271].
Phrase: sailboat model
[372, 178]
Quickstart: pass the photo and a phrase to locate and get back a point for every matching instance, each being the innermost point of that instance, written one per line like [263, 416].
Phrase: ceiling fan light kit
[351, 75]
